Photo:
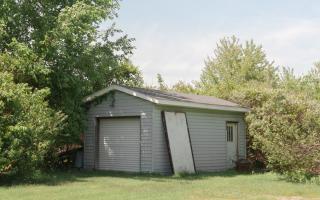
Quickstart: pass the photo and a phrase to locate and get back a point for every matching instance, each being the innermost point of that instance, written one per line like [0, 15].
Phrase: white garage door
[119, 144]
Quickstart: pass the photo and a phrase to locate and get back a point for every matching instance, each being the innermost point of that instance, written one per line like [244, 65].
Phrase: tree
[286, 128]
[28, 127]
[184, 87]
[310, 83]
[59, 45]
[233, 65]
[161, 83]
[283, 123]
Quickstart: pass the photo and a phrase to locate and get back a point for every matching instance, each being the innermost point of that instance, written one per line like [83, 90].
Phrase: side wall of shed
[208, 138]
[119, 104]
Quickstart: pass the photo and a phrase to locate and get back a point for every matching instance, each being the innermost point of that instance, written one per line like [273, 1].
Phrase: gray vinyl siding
[208, 138]
[161, 162]
[124, 105]
[207, 131]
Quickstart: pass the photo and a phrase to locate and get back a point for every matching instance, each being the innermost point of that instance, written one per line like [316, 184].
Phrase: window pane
[229, 133]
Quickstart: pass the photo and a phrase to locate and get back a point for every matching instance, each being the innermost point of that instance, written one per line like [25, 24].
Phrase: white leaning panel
[179, 142]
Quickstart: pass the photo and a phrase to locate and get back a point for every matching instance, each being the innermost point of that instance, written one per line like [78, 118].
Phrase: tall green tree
[161, 84]
[310, 83]
[233, 65]
[60, 45]
[283, 123]
[184, 87]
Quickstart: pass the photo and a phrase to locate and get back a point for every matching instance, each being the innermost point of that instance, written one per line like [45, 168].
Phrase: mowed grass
[87, 185]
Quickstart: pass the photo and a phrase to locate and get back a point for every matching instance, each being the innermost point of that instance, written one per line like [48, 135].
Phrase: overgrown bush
[284, 122]
[28, 127]
[286, 128]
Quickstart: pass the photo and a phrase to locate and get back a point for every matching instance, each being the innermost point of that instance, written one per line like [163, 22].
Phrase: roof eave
[163, 102]
[203, 106]
[118, 88]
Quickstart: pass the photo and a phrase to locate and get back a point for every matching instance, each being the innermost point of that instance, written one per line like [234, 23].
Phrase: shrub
[28, 127]
[286, 128]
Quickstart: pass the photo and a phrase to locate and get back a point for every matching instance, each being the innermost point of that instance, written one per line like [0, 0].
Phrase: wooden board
[179, 143]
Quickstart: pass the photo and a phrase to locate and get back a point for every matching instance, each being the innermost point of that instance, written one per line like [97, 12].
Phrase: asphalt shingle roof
[175, 96]
[172, 98]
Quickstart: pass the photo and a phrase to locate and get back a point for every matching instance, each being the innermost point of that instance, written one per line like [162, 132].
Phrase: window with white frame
[229, 133]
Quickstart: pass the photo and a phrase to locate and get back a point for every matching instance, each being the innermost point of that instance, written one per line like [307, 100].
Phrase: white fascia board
[202, 106]
[121, 89]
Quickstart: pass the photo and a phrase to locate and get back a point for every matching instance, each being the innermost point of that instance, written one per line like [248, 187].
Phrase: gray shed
[125, 130]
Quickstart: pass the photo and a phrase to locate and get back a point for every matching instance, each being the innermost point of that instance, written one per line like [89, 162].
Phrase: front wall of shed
[123, 105]
[208, 138]
[207, 132]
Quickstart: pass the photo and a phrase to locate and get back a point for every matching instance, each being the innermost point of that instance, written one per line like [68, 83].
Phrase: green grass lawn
[78, 185]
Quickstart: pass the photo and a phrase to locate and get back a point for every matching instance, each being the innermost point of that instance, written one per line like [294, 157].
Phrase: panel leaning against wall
[179, 143]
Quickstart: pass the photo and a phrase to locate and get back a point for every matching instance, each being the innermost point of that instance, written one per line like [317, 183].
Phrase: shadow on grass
[62, 177]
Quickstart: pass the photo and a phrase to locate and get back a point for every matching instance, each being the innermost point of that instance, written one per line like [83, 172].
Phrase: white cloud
[174, 56]
[180, 56]
[294, 32]
[295, 45]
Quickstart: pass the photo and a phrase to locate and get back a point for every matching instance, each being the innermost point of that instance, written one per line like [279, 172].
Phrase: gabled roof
[172, 98]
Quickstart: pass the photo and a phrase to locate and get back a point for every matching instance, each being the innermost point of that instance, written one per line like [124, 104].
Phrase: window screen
[229, 133]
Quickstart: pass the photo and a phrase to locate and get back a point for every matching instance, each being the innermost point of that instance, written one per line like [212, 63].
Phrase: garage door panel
[118, 139]
[124, 155]
[111, 162]
[119, 144]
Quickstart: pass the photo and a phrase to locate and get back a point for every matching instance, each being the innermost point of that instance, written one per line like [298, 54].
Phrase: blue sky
[174, 37]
